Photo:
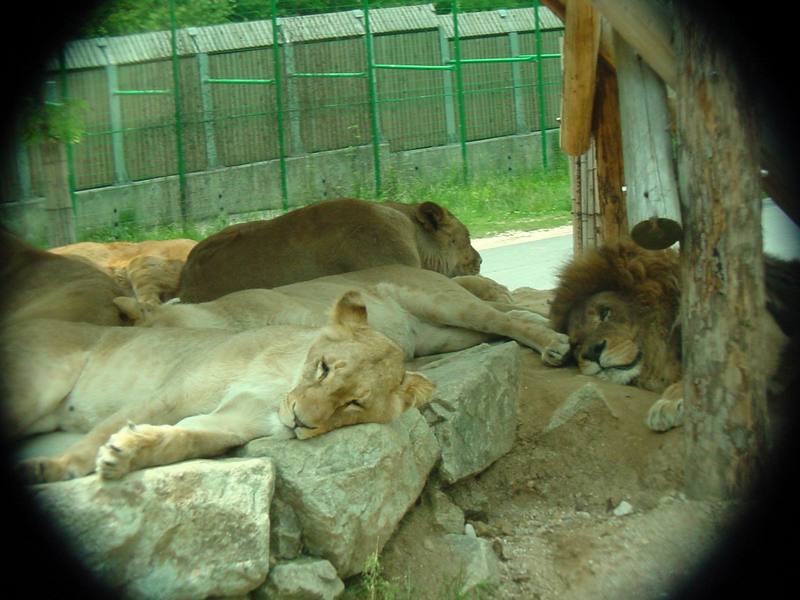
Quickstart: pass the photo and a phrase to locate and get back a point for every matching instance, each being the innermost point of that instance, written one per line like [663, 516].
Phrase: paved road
[535, 264]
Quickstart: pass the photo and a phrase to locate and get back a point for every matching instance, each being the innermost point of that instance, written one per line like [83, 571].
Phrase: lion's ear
[430, 215]
[415, 390]
[349, 310]
[129, 309]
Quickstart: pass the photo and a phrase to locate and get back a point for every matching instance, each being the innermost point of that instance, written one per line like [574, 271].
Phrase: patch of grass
[133, 232]
[371, 585]
[487, 206]
[495, 205]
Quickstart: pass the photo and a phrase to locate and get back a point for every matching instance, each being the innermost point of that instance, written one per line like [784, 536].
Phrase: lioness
[422, 311]
[40, 284]
[335, 236]
[619, 304]
[149, 270]
[198, 392]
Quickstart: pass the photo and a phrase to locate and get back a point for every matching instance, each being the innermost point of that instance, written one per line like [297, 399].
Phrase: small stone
[623, 508]
[482, 529]
[469, 530]
[500, 549]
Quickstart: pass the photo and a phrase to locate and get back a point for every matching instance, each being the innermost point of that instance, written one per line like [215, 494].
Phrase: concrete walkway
[534, 259]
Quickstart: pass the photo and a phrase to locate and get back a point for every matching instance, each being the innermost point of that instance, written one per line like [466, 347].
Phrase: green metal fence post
[176, 85]
[373, 100]
[276, 63]
[540, 82]
[62, 67]
[462, 114]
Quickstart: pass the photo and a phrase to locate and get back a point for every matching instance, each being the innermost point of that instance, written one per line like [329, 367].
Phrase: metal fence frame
[454, 65]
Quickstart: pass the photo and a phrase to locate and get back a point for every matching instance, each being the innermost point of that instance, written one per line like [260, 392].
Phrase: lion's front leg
[57, 468]
[75, 461]
[667, 411]
[238, 420]
[136, 447]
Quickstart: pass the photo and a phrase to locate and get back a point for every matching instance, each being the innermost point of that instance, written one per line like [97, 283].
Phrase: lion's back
[327, 238]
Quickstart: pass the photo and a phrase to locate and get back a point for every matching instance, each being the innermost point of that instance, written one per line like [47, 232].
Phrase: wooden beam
[581, 41]
[722, 270]
[654, 213]
[647, 27]
[609, 162]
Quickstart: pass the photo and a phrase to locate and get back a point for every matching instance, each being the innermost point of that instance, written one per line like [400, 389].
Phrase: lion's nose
[298, 422]
[594, 351]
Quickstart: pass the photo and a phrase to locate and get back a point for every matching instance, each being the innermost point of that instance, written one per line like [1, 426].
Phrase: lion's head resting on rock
[619, 306]
[352, 374]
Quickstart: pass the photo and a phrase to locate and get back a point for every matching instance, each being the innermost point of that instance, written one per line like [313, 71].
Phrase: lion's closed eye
[322, 370]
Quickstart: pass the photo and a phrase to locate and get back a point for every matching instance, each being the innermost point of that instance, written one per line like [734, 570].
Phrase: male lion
[198, 392]
[40, 284]
[619, 304]
[149, 270]
[421, 311]
[335, 236]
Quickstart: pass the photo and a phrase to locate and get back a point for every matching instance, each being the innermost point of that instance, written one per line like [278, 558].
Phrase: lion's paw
[665, 414]
[557, 351]
[116, 458]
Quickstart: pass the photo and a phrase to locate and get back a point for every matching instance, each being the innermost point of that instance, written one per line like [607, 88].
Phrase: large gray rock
[301, 579]
[474, 409]
[190, 530]
[349, 488]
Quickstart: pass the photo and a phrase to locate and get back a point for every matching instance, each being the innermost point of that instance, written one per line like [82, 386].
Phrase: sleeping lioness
[195, 393]
[421, 311]
[335, 236]
[149, 270]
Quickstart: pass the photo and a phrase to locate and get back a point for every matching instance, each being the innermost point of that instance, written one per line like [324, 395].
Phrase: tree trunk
[722, 270]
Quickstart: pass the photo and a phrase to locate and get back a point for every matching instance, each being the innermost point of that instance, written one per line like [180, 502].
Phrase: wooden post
[722, 269]
[575, 176]
[652, 201]
[581, 41]
[646, 25]
[608, 157]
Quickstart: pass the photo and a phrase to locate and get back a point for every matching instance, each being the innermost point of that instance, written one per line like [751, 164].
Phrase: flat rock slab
[191, 530]
[474, 409]
[349, 488]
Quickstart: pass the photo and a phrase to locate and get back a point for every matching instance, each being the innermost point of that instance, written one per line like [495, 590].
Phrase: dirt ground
[548, 505]
[590, 509]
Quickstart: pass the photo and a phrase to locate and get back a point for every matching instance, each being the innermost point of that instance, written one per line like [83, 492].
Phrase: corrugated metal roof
[144, 47]
[309, 28]
[403, 18]
[232, 36]
[496, 22]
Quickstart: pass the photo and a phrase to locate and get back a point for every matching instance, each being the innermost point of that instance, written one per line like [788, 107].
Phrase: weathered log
[722, 269]
[608, 151]
[581, 40]
[652, 201]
